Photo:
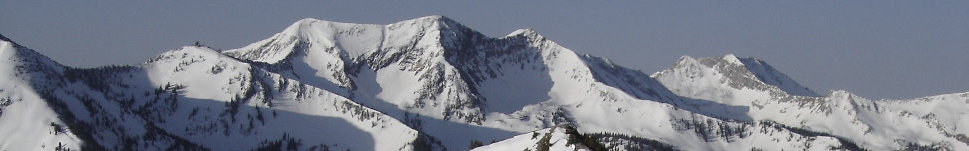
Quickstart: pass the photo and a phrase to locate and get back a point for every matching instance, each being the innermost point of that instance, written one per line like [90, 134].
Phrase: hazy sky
[877, 49]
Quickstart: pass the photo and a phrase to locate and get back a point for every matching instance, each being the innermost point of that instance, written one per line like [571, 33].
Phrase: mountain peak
[300, 25]
[307, 21]
[435, 22]
[25, 59]
[728, 59]
[737, 71]
[426, 20]
[4, 38]
[338, 38]
[436, 19]
[767, 74]
[731, 58]
[429, 20]
[306, 27]
[527, 32]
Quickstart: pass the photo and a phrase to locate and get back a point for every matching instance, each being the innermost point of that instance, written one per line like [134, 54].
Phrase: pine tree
[475, 144]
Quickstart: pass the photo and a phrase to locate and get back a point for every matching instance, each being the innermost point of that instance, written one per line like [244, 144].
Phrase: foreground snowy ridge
[560, 137]
[431, 83]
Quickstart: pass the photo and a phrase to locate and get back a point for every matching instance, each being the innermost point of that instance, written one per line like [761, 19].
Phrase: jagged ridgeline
[431, 83]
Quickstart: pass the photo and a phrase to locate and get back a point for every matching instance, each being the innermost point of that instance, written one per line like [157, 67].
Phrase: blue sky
[877, 49]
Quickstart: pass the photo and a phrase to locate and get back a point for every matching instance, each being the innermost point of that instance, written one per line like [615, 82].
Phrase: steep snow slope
[767, 74]
[26, 121]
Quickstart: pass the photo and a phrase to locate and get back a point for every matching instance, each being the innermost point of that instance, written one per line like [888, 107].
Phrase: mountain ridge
[437, 85]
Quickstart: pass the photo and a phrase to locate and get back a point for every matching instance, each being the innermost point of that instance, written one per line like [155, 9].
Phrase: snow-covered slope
[459, 86]
[872, 124]
[26, 121]
[431, 83]
[561, 137]
[260, 104]
[189, 98]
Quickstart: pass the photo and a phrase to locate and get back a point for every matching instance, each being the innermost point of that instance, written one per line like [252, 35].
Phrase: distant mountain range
[431, 83]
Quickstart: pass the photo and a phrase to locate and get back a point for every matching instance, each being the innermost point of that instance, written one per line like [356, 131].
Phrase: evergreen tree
[475, 144]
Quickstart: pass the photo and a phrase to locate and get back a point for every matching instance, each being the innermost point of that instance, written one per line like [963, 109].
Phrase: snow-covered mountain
[431, 83]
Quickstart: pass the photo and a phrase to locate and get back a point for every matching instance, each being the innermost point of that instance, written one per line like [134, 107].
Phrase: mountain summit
[431, 83]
